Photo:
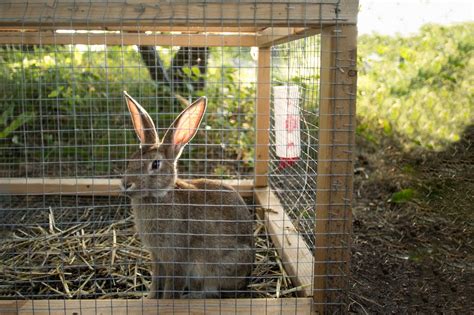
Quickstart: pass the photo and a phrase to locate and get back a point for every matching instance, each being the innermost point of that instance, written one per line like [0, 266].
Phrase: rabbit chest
[181, 220]
[158, 224]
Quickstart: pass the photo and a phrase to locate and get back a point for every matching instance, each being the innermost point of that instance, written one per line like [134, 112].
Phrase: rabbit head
[151, 170]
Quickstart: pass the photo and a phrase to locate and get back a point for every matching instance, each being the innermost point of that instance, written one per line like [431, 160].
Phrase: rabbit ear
[142, 122]
[184, 127]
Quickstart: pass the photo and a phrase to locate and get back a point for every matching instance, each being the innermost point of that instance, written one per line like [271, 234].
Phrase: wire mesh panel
[69, 117]
[197, 188]
[75, 125]
[293, 172]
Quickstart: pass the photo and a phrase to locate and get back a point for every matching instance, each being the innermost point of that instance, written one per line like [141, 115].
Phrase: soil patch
[413, 241]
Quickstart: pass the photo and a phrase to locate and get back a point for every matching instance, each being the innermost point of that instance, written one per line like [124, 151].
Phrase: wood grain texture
[262, 118]
[145, 306]
[335, 167]
[278, 35]
[85, 186]
[140, 13]
[110, 39]
[294, 253]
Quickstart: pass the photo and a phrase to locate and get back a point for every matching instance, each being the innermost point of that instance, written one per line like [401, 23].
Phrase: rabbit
[199, 232]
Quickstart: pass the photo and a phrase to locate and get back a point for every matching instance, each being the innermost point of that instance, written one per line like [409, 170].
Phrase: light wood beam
[279, 35]
[262, 112]
[142, 13]
[145, 306]
[189, 40]
[335, 167]
[294, 253]
[86, 186]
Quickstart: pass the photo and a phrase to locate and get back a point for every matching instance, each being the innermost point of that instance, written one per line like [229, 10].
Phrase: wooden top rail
[102, 14]
[198, 37]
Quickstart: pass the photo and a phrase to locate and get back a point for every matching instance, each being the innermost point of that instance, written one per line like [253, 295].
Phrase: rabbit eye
[155, 164]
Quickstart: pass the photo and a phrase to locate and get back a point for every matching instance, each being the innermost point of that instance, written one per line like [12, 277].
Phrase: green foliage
[231, 94]
[420, 254]
[403, 196]
[9, 123]
[66, 104]
[419, 87]
[68, 99]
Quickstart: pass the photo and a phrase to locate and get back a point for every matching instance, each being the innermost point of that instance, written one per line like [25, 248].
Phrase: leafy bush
[419, 87]
[74, 94]
[64, 104]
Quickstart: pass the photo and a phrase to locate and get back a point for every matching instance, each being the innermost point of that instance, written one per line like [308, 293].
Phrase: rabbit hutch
[279, 77]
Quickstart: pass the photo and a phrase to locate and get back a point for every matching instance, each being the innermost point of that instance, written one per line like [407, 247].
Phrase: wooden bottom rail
[292, 248]
[144, 306]
[85, 186]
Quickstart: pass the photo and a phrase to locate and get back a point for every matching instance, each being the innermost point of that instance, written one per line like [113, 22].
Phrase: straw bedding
[86, 247]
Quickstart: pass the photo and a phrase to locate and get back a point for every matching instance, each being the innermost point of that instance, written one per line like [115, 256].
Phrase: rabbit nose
[126, 185]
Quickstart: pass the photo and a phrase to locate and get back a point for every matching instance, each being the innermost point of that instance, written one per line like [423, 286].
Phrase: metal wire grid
[80, 126]
[99, 126]
[297, 64]
[58, 247]
[76, 138]
[83, 138]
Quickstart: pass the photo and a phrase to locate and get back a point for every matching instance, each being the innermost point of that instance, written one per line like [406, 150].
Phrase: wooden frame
[128, 38]
[296, 256]
[262, 112]
[279, 35]
[164, 23]
[85, 186]
[144, 306]
[218, 23]
[143, 13]
[264, 38]
[335, 165]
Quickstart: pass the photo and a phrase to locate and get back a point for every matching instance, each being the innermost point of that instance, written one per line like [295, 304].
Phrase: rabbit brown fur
[199, 232]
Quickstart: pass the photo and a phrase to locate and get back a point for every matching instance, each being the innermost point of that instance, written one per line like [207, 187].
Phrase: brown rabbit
[199, 232]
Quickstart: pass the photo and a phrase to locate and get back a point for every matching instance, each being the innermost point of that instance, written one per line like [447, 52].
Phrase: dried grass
[97, 255]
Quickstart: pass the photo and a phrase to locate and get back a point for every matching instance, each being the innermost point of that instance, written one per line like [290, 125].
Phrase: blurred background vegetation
[420, 87]
[64, 103]
[63, 106]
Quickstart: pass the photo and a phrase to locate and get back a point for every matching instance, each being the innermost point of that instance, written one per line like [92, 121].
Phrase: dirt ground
[413, 241]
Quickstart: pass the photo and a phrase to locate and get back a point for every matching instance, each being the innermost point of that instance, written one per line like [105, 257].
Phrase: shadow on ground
[413, 229]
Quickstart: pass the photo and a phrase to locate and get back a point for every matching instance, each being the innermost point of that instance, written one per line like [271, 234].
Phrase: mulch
[417, 255]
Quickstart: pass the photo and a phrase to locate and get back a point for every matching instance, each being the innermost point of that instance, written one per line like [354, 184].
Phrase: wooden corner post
[335, 167]
[262, 111]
